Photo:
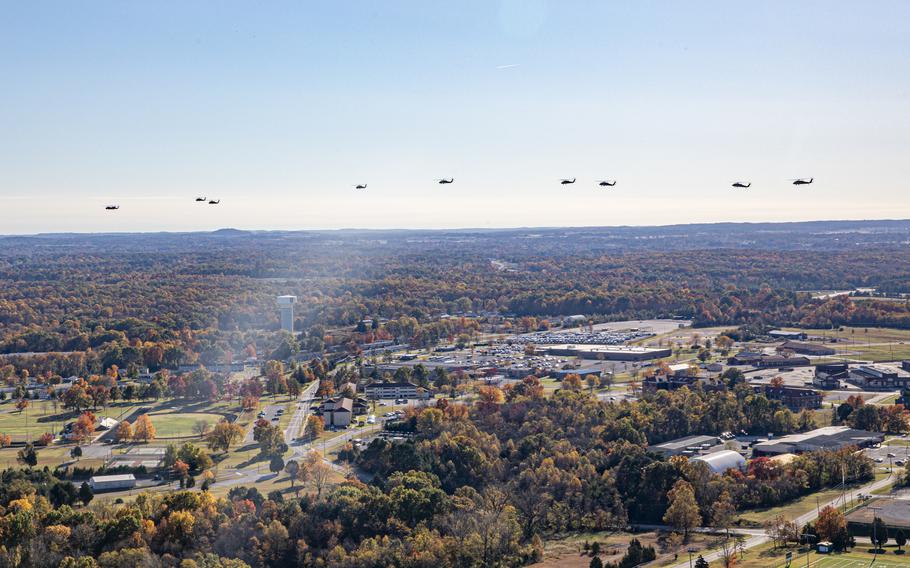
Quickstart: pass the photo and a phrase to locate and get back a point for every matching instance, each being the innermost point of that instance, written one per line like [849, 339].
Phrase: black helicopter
[741, 184]
[112, 207]
[214, 201]
[607, 183]
[200, 199]
[803, 181]
[445, 181]
[360, 186]
[567, 181]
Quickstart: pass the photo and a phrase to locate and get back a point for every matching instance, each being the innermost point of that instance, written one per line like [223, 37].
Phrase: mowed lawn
[180, 424]
[876, 344]
[852, 559]
[41, 417]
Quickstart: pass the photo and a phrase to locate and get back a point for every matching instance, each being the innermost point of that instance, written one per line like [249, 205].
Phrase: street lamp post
[691, 550]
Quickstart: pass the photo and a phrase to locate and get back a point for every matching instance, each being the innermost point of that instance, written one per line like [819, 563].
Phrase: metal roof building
[827, 438]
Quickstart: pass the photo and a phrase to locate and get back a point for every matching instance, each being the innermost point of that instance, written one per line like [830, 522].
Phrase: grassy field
[876, 344]
[767, 557]
[43, 416]
[568, 551]
[180, 424]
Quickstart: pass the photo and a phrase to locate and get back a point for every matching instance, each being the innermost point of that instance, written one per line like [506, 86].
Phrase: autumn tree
[27, 456]
[292, 468]
[84, 427]
[831, 524]
[682, 513]
[143, 429]
[224, 435]
[572, 382]
[181, 471]
[314, 427]
[318, 471]
[124, 431]
[722, 512]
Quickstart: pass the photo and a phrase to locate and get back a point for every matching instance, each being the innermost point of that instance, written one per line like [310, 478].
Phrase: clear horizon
[464, 228]
[279, 112]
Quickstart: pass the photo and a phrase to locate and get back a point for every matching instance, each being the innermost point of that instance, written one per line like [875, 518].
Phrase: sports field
[847, 560]
[851, 560]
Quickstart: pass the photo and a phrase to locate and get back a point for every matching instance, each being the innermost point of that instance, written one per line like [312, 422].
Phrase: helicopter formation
[564, 181]
[197, 200]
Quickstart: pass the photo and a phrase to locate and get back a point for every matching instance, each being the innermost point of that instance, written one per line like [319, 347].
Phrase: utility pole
[808, 546]
[874, 535]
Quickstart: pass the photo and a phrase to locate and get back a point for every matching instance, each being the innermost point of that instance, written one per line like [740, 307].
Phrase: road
[759, 537]
[271, 412]
[304, 401]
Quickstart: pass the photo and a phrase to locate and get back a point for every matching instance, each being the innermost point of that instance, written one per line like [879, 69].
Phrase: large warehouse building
[827, 438]
[607, 352]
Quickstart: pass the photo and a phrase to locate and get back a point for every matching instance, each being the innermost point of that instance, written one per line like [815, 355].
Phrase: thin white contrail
[509, 66]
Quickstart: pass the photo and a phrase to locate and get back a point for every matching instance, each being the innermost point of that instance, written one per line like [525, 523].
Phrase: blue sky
[279, 108]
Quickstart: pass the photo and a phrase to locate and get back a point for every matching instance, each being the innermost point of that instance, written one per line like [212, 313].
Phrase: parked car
[371, 419]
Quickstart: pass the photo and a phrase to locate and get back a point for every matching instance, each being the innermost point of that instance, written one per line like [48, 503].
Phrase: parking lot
[272, 413]
[893, 453]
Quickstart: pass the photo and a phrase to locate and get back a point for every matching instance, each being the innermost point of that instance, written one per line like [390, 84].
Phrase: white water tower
[286, 305]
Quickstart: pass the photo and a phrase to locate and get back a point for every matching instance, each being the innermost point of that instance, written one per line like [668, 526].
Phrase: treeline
[159, 308]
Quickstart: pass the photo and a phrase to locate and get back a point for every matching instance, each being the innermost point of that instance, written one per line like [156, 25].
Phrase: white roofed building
[719, 462]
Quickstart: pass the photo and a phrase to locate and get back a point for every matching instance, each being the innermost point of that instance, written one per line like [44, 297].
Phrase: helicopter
[607, 183]
[567, 181]
[112, 207]
[803, 181]
[445, 181]
[741, 184]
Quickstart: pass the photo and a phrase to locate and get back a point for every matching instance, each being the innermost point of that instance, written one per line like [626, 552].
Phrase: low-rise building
[673, 382]
[783, 334]
[100, 483]
[829, 375]
[393, 390]
[794, 398]
[688, 446]
[827, 438]
[814, 349]
[607, 352]
[744, 358]
[767, 361]
[879, 376]
[581, 372]
[337, 412]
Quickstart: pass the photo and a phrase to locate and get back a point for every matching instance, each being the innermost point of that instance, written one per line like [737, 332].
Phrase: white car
[371, 419]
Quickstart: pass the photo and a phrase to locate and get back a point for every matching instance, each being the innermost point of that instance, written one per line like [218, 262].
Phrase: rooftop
[682, 443]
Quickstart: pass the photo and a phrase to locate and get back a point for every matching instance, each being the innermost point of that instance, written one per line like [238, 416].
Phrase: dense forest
[161, 300]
